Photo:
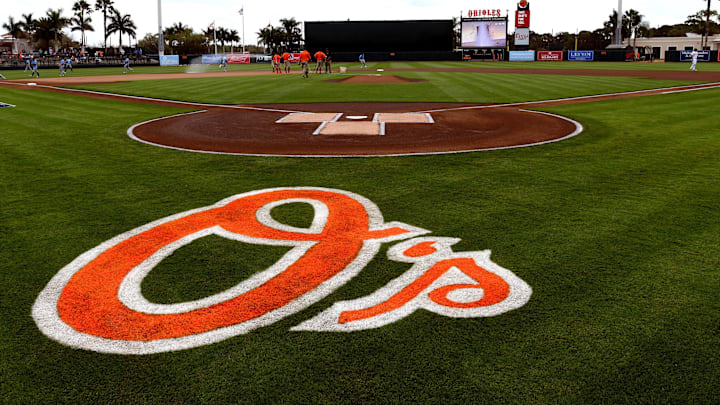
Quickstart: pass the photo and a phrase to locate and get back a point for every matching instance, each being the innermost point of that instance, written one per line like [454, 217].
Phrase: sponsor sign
[96, 302]
[170, 60]
[522, 56]
[240, 58]
[703, 56]
[581, 56]
[211, 59]
[522, 36]
[547, 56]
[522, 19]
[484, 13]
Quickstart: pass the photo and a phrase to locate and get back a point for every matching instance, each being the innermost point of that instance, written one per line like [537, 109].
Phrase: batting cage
[382, 40]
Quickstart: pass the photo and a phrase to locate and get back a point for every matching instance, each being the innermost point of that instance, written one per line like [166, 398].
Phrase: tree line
[48, 31]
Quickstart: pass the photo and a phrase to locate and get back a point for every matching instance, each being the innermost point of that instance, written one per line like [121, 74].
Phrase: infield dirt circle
[352, 129]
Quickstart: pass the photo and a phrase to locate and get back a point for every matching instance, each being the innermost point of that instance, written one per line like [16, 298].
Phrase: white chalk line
[578, 130]
[650, 92]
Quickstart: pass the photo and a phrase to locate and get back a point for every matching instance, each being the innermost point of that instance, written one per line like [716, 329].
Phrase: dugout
[382, 40]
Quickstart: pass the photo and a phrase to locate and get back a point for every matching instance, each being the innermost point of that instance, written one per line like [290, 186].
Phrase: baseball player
[305, 59]
[27, 65]
[62, 67]
[34, 69]
[68, 65]
[286, 61]
[276, 60]
[320, 58]
[694, 55]
[362, 61]
[126, 66]
[224, 63]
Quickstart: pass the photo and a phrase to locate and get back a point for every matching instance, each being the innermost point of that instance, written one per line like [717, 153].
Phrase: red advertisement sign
[484, 13]
[238, 58]
[548, 56]
[522, 19]
[718, 56]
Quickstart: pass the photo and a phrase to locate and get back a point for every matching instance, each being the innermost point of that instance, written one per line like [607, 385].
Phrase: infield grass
[478, 88]
[616, 230]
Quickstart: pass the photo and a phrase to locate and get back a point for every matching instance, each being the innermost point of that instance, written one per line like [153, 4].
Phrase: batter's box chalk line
[330, 125]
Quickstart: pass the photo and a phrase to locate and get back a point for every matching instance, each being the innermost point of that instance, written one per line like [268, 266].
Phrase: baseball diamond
[401, 232]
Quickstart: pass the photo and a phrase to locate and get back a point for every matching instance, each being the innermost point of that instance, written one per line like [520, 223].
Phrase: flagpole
[215, 37]
[242, 13]
[161, 41]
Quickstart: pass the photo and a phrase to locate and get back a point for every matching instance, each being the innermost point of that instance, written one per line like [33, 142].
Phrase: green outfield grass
[438, 87]
[616, 230]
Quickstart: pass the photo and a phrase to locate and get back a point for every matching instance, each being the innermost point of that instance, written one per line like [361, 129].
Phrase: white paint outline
[45, 312]
[428, 117]
[578, 130]
[520, 291]
[282, 120]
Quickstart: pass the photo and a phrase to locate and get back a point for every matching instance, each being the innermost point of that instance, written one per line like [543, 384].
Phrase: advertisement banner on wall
[238, 58]
[549, 56]
[686, 56]
[522, 56]
[522, 36]
[211, 59]
[522, 19]
[170, 60]
[581, 56]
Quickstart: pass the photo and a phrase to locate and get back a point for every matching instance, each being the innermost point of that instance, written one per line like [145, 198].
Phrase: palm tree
[292, 31]
[122, 24]
[28, 23]
[233, 37]
[107, 7]
[81, 20]
[222, 36]
[57, 23]
[632, 19]
[15, 29]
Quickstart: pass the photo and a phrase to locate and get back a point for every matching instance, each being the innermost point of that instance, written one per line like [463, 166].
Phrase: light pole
[161, 40]
[618, 27]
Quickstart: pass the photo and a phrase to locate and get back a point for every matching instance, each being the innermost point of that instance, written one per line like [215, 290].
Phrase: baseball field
[430, 232]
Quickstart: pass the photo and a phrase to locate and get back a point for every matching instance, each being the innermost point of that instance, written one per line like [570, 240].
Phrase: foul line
[650, 92]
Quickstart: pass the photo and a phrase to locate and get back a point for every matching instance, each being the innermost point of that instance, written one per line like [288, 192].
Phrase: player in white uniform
[694, 60]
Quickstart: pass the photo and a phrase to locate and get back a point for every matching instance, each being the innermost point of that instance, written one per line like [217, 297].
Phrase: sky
[546, 15]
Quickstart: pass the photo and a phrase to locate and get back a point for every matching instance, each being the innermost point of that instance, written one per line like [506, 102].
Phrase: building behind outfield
[382, 40]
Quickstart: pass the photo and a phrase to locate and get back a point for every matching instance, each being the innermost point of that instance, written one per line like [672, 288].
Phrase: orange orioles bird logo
[95, 302]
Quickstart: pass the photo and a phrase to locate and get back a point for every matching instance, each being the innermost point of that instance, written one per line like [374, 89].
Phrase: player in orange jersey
[305, 59]
[320, 58]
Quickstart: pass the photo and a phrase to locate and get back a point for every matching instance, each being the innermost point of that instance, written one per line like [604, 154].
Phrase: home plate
[351, 128]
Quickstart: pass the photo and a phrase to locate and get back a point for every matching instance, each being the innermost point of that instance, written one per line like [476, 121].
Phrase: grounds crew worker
[305, 59]
[320, 57]
[286, 59]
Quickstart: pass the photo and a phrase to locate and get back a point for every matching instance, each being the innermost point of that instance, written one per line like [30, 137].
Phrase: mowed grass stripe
[616, 230]
[439, 87]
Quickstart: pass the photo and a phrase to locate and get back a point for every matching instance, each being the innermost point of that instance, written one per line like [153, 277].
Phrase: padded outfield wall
[382, 40]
